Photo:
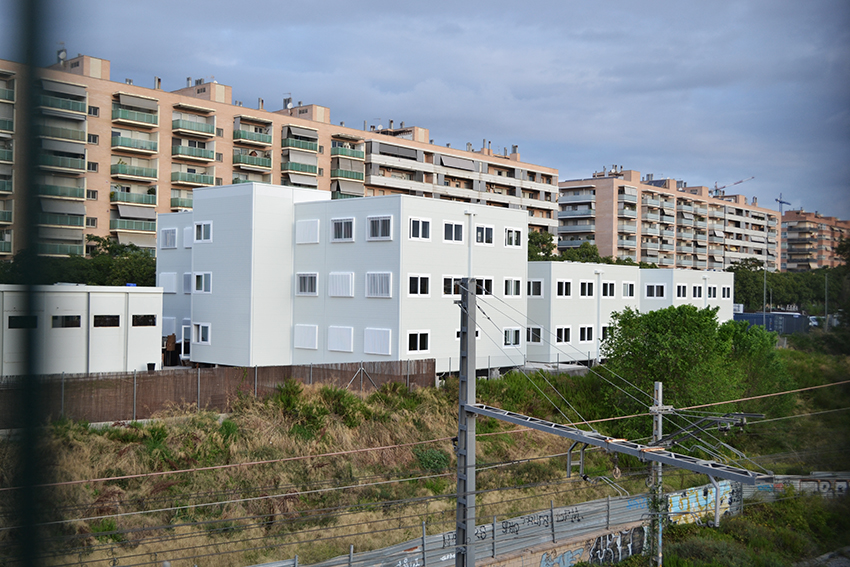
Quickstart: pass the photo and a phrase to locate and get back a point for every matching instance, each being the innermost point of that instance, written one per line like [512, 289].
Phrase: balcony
[62, 133]
[627, 243]
[715, 214]
[668, 233]
[627, 198]
[578, 213]
[5, 185]
[563, 199]
[702, 211]
[257, 161]
[48, 160]
[147, 146]
[686, 222]
[685, 208]
[6, 216]
[6, 155]
[137, 225]
[652, 231]
[649, 245]
[61, 191]
[181, 203]
[346, 174]
[7, 94]
[701, 224]
[651, 216]
[193, 153]
[249, 137]
[573, 243]
[194, 128]
[300, 144]
[573, 228]
[685, 234]
[348, 152]
[133, 170]
[666, 261]
[652, 202]
[630, 228]
[60, 249]
[5, 246]
[301, 167]
[60, 220]
[684, 262]
[628, 213]
[135, 117]
[136, 198]
[685, 249]
[668, 204]
[192, 178]
[7, 124]
[667, 247]
[60, 103]
[717, 239]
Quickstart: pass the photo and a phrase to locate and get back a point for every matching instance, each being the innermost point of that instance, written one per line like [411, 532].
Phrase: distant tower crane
[781, 202]
[717, 190]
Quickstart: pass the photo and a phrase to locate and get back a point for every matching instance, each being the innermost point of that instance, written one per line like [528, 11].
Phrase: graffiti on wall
[691, 505]
[604, 550]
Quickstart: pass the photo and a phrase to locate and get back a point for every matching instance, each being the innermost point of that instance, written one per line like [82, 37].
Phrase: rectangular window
[307, 284]
[712, 292]
[562, 335]
[726, 292]
[219, 181]
[91, 194]
[697, 289]
[167, 281]
[186, 332]
[144, 320]
[203, 282]
[417, 341]
[586, 289]
[605, 332]
[342, 230]
[107, 320]
[168, 238]
[564, 288]
[94, 111]
[681, 290]
[585, 334]
[65, 321]
[535, 288]
[628, 289]
[203, 232]
[511, 336]
[23, 321]
[341, 284]
[484, 286]
[533, 334]
[420, 229]
[341, 339]
[607, 289]
[92, 166]
[452, 232]
[91, 222]
[380, 228]
[187, 282]
[219, 157]
[483, 234]
[306, 337]
[512, 287]
[307, 231]
[377, 341]
[418, 285]
[655, 290]
[93, 138]
[201, 333]
[378, 284]
[219, 132]
[513, 237]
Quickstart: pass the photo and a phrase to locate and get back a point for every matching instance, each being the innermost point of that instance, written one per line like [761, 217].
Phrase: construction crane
[781, 202]
[717, 190]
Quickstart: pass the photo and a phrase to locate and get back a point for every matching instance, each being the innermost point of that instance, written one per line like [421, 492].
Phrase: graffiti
[510, 527]
[571, 515]
[638, 503]
[538, 520]
[409, 562]
[565, 559]
[688, 506]
[447, 556]
[449, 539]
[481, 532]
[614, 547]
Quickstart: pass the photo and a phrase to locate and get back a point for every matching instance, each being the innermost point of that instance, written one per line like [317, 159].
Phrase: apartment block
[665, 222]
[809, 240]
[113, 155]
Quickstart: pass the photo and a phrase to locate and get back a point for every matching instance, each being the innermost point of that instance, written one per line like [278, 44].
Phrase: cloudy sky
[713, 92]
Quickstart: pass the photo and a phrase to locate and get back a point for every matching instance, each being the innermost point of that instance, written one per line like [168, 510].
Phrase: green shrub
[432, 460]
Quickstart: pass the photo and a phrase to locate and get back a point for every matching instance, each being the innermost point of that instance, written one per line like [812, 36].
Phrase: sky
[709, 93]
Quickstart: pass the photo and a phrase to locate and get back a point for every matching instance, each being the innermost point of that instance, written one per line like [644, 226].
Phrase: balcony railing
[577, 228]
[180, 202]
[7, 124]
[134, 143]
[573, 243]
[627, 198]
[6, 155]
[62, 191]
[187, 151]
[124, 224]
[135, 116]
[192, 126]
[668, 247]
[685, 208]
[302, 167]
[5, 216]
[138, 198]
[668, 233]
[63, 162]
[626, 228]
[651, 216]
[258, 161]
[347, 174]
[685, 249]
[6, 185]
[5, 246]
[193, 178]
[7, 94]
[61, 249]
[63, 133]
[578, 213]
[300, 144]
[627, 243]
[348, 152]
[60, 220]
[649, 245]
[248, 136]
[651, 231]
[652, 202]
[60, 103]
[135, 171]
[630, 213]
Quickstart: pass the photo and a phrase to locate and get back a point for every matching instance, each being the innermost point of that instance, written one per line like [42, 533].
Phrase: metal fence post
[134, 395]
[424, 533]
[608, 512]
[62, 403]
[311, 373]
[350, 554]
[199, 389]
[494, 536]
[255, 381]
[296, 561]
[552, 519]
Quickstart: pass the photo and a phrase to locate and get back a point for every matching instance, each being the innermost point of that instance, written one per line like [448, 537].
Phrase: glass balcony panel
[64, 133]
[5, 246]
[192, 126]
[7, 94]
[135, 116]
[259, 161]
[6, 185]
[5, 216]
[247, 135]
[64, 162]
[347, 152]
[194, 178]
[192, 152]
[60, 103]
[300, 144]
[61, 220]
[5, 155]
[136, 144]
[178, 202]
[302, 167]
[138, 198]
[7, 124]
[63, 249]
[125, 224]
[347, 174]
[61, 191]
[136, 171]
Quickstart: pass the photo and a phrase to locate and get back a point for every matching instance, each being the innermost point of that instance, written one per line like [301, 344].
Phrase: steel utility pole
[465, 524]
[658, 410]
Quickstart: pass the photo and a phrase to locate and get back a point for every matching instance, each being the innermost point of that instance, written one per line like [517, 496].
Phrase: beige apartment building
[809, 240]
[114, 154]
[665, 222]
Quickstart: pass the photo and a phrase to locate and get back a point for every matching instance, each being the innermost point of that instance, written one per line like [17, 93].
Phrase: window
[377, 341]
[420, 229]
[219, 132]
[512, 287]
[607, 289]
[201, 333]
[203, 282]
[628, 289]
[712, 292]
[483, 234]
[341, 339]
[342, 230]
[533, 334]
[107, 320]
[91, 194]
[484, 286]
[93, 138]
[219, 181]
[168, 238]
[451, 285]
[167, 281]
[91, 166]
[307, 231]
[321, 171]
[564, 288]
[418, 285]
[511, 336]
[585, 334]
[306, 336]
[562, 335]
[65, 321]
[378, 284]
[380, 228]
[203, 232]
[187, 282]
[586, 289]
[186, 333]
[307, 284]
[144, 320]
[681, 290]
[655, 290]
[697, 289]
[513, 237]
[417, 341]
[726, 292]
[605, 332]
[91, 222]
[94, 111]
[535, 288]
[341, 284]
[452, 232]
[23, 321]
[321, 149]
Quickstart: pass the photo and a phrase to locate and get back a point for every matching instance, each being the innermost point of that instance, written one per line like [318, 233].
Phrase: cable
[768, 395]
[798, 415]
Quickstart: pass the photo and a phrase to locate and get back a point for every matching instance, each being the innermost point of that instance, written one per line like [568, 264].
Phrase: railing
[575, 198]
[652, 231]
[626, 228]
[577, 228]
[7, 124]
[134, 143]
[247, 135]
[300, 144]
[7, 94]
[6, 185]
[627, 198]
[578, 213]
[627, 243]
[63, 162]
[134, 170]
[652, 202]
[294, 166]
[573, 243]
[685, 249]
[139, 198]
[258, 161]
[60, 249]
[192, 152]
[344, 173]
[5, 216]
[135, 116]
[193, 178]
[124, 224]
[670, 233]
[669, 247]
[630, 213]
[64, 133]
[348, 152]
[651, 216]
[181, 202]
[60, 220]
[192, 126]
[60, 103]
[649, 245]
[6, 155]
[61, 191]
[685, 208]
[5, 246]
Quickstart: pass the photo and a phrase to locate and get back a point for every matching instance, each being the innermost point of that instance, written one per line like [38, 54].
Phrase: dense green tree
[541, 246]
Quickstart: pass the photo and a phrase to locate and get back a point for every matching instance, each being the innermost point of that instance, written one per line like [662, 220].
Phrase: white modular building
[663, 288]
[82, 329]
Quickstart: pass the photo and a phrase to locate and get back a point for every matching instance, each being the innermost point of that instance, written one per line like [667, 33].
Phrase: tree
[587, 252]
[541, 246]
